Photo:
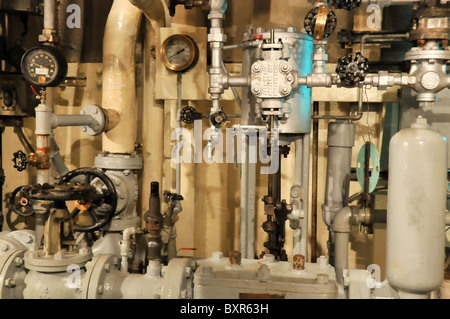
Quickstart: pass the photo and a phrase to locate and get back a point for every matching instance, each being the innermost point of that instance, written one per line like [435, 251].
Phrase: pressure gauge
[179, 52]
[44, 66]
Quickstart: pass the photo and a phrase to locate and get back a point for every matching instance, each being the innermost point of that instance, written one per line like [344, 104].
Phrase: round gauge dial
[44, 66]
[179, 52]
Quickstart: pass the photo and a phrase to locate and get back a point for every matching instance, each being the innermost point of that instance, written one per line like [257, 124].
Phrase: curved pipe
[118, 92]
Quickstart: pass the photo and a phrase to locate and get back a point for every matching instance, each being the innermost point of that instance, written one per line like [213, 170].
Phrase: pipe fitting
[344, 219]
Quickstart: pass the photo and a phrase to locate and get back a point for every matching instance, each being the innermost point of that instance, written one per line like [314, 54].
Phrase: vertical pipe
[49, 14]
[297, 198]
[314, 186]
[341, 253]
[2, 177]
[305, 195]
[179, 127]
[244, 197]
[118, 91]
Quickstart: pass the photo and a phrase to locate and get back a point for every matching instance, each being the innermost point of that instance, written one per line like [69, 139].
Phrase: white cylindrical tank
[416, 209]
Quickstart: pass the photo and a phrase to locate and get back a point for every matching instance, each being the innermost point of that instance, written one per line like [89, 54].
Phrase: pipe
[49, 14]
[57, 160]
[315, 168]
[296, 199]
[304, 223]
[447, 218]
[125, 247]
[118, 91]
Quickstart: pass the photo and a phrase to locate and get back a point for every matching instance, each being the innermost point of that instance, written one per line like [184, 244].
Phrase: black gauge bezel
[60, 66]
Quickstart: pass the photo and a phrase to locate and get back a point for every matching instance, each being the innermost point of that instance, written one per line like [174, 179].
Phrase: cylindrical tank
[301, 48]
[416, 209]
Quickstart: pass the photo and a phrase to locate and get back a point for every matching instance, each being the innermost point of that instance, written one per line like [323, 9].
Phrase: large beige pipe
[119, 92]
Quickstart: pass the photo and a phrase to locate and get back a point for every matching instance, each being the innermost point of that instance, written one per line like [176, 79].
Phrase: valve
[189, 114]
[188, 4]
[218, 119]
[346, 4]
[352, 68]
[20, 160]
[320, 22]
[171, 197]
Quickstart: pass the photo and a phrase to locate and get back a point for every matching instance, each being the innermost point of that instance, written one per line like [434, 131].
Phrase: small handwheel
[22, 207]
[102, 207]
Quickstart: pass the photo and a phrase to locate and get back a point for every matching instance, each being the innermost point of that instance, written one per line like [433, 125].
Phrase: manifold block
[219, 277]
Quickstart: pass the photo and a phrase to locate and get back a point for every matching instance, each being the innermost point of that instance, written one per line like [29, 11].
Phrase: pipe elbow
[343, 220]
[128, 232]
[156, 11]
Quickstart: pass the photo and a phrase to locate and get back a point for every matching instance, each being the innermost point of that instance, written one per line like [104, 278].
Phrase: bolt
[285, 67]
[187, 272]
[107, 267]
[3, 247]
[256, 68]
[256, 90]
[322, 278]
[100, 289]
[116, 261]
[10, 283]
[290, 78]
[322, 261]
[18, 261]
[235, 257]
[263, 273]
[299, 262]
[284, 90]
[207, 271]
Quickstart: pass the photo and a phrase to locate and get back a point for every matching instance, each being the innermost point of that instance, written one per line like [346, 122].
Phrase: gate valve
[352, 68]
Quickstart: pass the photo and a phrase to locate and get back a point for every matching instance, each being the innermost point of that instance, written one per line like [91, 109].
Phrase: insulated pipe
[49, 14]
[118, 91]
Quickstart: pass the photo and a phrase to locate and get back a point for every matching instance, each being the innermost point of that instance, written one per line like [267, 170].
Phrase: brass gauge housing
[179, 52]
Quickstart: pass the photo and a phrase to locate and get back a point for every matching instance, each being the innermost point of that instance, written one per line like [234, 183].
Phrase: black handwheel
[102, 207]
[23, 206]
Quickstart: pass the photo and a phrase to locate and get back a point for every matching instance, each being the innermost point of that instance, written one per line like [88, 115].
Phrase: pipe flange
[96, 271]
[36, 260]
[416, 53]
[12, 275]
[100, 120]
[118, 162]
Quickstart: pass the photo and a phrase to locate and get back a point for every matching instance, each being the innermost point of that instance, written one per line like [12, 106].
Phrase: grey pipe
[57, 160]
[341, 136]
[59, 120]
[447, 219]
[305, 195]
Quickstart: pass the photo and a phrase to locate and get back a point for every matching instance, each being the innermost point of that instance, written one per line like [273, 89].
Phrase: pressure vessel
[417, 191]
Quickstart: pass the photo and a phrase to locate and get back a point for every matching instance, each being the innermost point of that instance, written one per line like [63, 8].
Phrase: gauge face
[44, 66]
[178, 52]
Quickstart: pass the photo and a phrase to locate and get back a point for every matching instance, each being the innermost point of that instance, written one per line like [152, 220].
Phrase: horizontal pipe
[59, 120]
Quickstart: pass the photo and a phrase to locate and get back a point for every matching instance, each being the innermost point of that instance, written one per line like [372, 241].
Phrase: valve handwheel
[347, 4]
[352, 68]
[100, 207]
[320, 22]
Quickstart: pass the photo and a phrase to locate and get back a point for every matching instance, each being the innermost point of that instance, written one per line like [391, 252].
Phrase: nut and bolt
[322, 279]
[18, 261]
[256, 90]
[235, 257]
[9, 283]
[299, 262]
[256, 68]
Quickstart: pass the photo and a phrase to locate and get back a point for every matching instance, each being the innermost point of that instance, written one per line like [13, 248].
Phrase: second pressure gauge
[179, 52]
[44, 66]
